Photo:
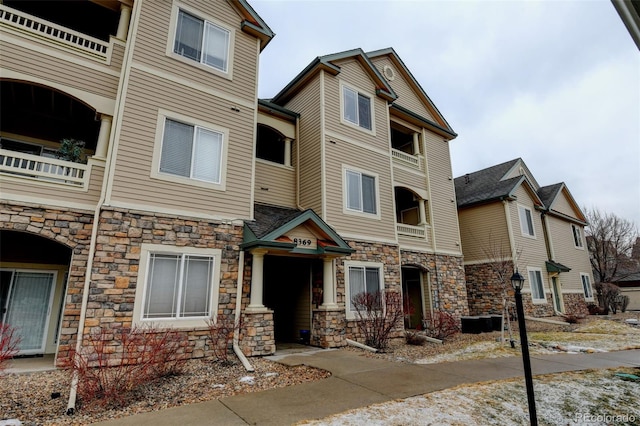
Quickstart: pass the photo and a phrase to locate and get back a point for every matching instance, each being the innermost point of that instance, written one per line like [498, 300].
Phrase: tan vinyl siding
[307, 104]
[342, 153]
[355, 76]
[566, 253]
[154, 34]
[484, 233]
[411, 179]
[413, 243]
[561, 204]
[59, 195]
[132, 182]
[302, 313]
[407, 98]
[445, 214]
[52, 67]
[275, 184]
[533, 250]
[117, 55]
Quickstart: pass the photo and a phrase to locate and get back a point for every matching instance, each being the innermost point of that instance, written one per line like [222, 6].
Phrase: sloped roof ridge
[549, 193]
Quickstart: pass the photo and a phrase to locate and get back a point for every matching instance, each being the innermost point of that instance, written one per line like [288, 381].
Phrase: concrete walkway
[358, 381]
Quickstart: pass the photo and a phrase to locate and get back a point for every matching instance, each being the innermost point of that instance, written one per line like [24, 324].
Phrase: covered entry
[288, 291]
[292, 276]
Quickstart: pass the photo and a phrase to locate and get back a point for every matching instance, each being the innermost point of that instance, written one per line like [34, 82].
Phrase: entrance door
[557, 296]
[413, 297]
[27, 297]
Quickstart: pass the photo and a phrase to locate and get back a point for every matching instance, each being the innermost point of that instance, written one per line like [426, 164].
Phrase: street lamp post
[517, 281]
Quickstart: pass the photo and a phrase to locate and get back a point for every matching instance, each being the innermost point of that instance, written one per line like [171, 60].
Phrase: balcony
[408, 160]
[413, 231]
[13, 163]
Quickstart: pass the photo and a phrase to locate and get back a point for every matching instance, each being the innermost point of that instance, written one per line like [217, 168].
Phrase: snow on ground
[589, 397]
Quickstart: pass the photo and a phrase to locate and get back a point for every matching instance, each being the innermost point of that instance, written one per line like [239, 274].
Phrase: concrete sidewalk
[358, 381]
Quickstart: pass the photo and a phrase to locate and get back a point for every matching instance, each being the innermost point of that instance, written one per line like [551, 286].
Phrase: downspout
[298, 164]
[73, 391]
[551, 255]
[236, 328]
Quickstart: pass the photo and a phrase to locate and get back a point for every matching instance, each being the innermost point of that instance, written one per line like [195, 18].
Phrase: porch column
[257, 270]
[103, 136]
[123, 24]
[287, 151]
[416, 143]
[422, 212]
[328, 293]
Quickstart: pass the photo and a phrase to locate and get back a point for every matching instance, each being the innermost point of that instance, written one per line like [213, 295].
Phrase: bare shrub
[607, 295]
[623, 302]
[377, 315]
[415, 338]
[9, 341]
[441, 325]
[113, 363]
[573, 318]
[221, 333]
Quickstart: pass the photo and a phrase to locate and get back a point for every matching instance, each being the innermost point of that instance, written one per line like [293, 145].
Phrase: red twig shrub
[441, 325]
[377, 315]
[221, 333]
[113, 363]
[9, 341]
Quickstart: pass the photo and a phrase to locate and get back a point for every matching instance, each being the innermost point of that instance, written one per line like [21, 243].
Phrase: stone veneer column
[329, 328]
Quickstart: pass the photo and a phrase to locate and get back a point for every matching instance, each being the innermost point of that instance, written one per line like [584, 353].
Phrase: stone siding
[328, 328]
[485, 291]
[71, 228]
[257, 334]
[448, 288]
[575, 304]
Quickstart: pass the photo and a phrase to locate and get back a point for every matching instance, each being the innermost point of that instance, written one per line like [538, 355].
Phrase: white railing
[56, 33]
[414, 231]
[49, 169]
[407, 159]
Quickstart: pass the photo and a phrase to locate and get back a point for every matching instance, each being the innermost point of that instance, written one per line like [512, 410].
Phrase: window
[272, 146]
[177, 286]
[191, 151]
[537, 288]
[362, 277]
[356, 108]
[577, 236]
[586, 286]
[202, 41]
[526, 221]
[360, 192]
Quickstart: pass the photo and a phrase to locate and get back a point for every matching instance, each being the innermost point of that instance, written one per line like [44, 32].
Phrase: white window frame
[587, 290]
[163, 116]
[356, 125]
[578, 240]
[146, 251]
[210, 20]
[345, 194]
[351, 314]
[524, 228]
[536, 300]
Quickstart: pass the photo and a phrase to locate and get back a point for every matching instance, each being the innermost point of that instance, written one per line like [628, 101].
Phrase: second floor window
[361, 192]
[191, 151]
[526, 221]
[577, 236]
[202, 41]
[356, 108]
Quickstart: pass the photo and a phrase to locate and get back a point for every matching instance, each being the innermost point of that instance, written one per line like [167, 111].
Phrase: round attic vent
[388, 72]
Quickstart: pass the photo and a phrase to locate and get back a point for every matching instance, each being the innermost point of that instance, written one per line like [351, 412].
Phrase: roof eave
[422, 121]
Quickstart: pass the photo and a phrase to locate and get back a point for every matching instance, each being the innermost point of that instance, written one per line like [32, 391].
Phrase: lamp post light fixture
[517, 281]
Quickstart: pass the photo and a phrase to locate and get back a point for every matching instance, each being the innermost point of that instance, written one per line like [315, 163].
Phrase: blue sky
[554, 82]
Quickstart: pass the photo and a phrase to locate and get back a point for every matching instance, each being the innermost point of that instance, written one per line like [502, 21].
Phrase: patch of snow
[270, 374]
[218, 386]
[248, 379]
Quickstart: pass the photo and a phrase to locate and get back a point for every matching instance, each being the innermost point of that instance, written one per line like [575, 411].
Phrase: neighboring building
[195, 198]
[508, 222]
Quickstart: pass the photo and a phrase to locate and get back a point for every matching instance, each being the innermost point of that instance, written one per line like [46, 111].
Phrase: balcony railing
[409, 160]
[413, 231]
[43, 168]
[57, 34]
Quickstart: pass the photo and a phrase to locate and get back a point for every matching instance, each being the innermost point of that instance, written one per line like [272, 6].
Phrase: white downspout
[236, 328]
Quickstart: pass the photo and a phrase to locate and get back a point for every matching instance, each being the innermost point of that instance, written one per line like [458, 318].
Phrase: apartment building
[188, 198]
[509, 222]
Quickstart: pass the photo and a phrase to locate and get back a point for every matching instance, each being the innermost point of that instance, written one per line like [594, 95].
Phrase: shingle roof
[269, 218]
[486, 184]
[548, 193]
